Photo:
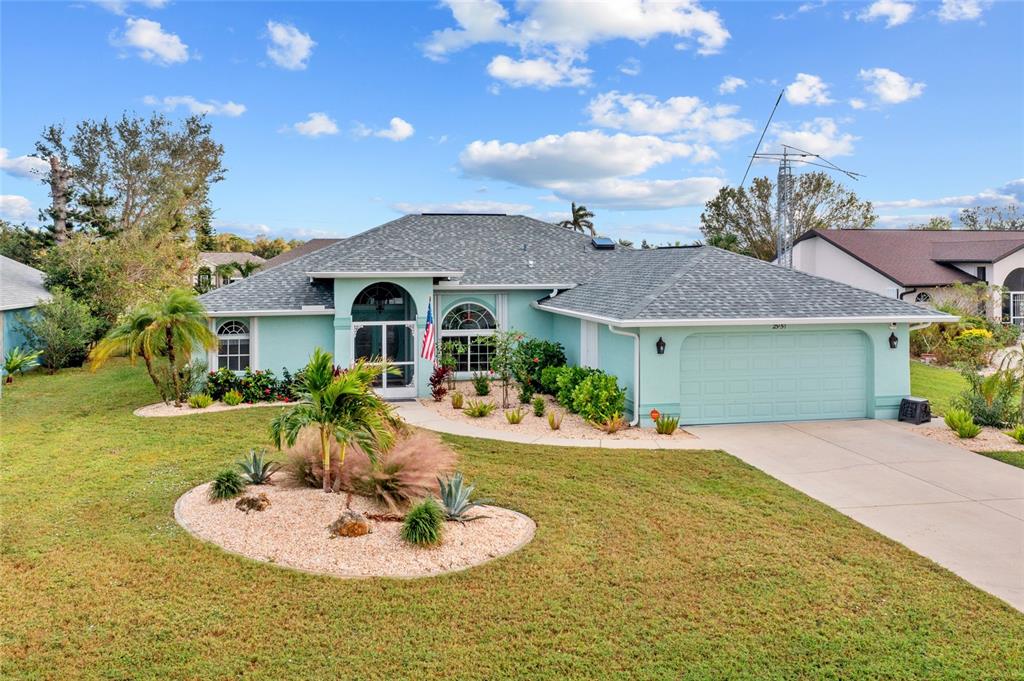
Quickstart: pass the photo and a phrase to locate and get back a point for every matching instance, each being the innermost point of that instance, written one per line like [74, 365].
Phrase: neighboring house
[698, 332]
[914, 265]
[21, 289]
[215, 268]
[302, 249]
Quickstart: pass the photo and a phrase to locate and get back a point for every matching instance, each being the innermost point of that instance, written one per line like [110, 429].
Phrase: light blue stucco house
[699, 332]
[21, 289]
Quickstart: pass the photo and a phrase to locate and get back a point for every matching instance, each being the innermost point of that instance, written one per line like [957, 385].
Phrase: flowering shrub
[220, 382]
[253, 386]
[535, 356]
[258, 386]
[439, 382]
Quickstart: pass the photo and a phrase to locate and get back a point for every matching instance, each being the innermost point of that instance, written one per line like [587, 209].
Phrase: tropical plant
[61, 328]
[18, 361]
[962, 423]
[549, 379]
[482, 384]
[666, 425]
[455, 498]
[555, 419]
[525, 392]
[457, 399]
[568, 379]
[479, 408]
[1017, 433]
[515, 416]
[536, 356]
[612, 424]
[424, 523]
[245, 269]
[232, 398]
[256, 469]
[439, 382]
[342, 406]
[225, 271]
[598, 397]
[404, 473]
[580, 220]
[226, 485]
[538, 406]
[447, 356]
[992, 400]
[200, 401]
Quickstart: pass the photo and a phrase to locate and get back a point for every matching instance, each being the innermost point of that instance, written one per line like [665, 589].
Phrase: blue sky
[336, 117]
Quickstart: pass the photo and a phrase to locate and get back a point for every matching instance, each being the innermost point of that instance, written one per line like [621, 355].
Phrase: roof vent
[603, 243]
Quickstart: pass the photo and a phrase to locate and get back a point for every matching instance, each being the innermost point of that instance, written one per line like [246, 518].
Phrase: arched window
[923, 298]
[470, 325]
[233, 346]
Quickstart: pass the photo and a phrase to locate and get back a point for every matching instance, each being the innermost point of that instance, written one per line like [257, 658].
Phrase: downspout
[922, 325]
[636, 371]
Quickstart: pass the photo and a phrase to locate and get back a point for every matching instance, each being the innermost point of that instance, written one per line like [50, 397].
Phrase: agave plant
[256, 469]
[455, 494]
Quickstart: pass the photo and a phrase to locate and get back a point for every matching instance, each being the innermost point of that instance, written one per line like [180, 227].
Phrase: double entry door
[395, 342]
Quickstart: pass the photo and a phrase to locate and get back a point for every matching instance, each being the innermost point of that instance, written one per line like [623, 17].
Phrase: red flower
[267, 391]
[536, 359]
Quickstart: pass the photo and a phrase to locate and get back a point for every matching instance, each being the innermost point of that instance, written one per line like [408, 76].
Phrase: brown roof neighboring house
[917, 257]
[214, 258]
[303, 249]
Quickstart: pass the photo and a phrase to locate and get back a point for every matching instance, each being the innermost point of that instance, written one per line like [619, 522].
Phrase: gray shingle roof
[300, 250]
[21, 286]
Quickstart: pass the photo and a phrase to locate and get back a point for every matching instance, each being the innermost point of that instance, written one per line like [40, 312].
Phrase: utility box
[915, 410]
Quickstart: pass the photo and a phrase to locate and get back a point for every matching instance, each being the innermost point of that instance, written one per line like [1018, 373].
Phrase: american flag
[429, 350]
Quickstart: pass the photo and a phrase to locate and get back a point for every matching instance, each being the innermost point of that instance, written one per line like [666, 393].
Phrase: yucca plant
[478, 408]
[256, 468]
[18, 361]
[962, 423]
[515, 416]
[666, 425]
[555, 419]
[1017, 433]
[612, 424]
[424, 523]
[457, 399]
[455, 497]
[226, 485]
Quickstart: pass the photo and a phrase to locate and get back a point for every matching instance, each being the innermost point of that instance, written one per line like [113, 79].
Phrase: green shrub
[598, 397]
[555, 419]
[538, 406]
[962, 423]
[478, 408]
[537, 355]
[666, 425]
[457, 398]
[1017, 433]
[992, 400]
[258, 386]
[200, 401]
[455, 497]
[226, 485]
[256, 469]
[515, 416]
[525, 393]
[568, 379]
[424, 523]
[232, 398]
[549, 380]
[221, 382]
[482, 384]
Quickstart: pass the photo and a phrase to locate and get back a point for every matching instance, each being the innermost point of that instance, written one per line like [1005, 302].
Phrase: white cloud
[479, 21]
[856, 103]
[317, 124]
[289, 47]
[540, 72]
[630, 67]
[23, 166]
[890, 87]
[211, 107]
[120, 7]
[731, 84]
[895, 12]
[1011, 192]
[244, 229]
[396, 131]
[640, 194]
[14, 207]
[152, 42]
[962, 10]
[463, 207]
[687, 115]
[820, 136]
[808, 89]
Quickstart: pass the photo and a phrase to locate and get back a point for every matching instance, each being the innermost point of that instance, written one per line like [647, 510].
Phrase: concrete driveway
[962, 510]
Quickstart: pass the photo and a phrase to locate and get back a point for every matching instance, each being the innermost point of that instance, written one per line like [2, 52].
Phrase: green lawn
[645, 565]
[938, 384]
[1012, 458]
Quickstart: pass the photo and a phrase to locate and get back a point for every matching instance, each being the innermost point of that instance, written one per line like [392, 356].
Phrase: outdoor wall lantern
[893, 340]
[660, 345]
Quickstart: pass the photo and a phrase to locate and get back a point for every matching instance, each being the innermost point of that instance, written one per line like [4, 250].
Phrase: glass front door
[396, 342]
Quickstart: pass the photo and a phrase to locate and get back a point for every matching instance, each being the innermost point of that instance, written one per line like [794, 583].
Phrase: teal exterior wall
[566, 330]
[13, 335]
[446, 301]
[289, 341]
[615, 355]
[523, 317]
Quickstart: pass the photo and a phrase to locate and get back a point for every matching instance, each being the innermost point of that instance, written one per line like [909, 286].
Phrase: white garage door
[779, 375]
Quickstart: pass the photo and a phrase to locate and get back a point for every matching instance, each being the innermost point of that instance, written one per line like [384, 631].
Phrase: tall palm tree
[580, 221]
[224, 272]
[342, 406]
[246, 268]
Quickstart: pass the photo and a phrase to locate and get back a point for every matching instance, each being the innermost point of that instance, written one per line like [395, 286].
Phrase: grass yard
[1012, 458]
[939, 385]
[645, 564]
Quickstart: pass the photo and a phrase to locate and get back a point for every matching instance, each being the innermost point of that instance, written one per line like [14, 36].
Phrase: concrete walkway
[960, 509]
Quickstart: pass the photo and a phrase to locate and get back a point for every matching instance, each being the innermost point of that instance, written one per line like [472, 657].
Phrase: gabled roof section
[379, 258]
[21, 286]
[302, 249]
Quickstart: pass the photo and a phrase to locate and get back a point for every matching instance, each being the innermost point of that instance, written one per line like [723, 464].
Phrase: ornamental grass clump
[666, 425]
[538, 406]
[232, 398]
[478, 408]
[962, 423]
[407, 471]
[515, 416]
[457, 399]
[226, 485]
[555, 419]
[424, 523]
[200, 401]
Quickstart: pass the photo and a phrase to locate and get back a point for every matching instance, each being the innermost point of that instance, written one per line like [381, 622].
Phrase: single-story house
[301, 249]
[216, 268]
[915, 265]
[699, 332]
[21, 289]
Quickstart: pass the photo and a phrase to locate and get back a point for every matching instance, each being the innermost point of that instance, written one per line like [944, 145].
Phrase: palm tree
[246, 268]
[580, 221]
[224, 272]
[133, 337]
[343, 406]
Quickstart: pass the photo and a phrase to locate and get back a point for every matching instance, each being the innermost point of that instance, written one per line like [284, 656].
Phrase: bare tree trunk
[325, 450]
[171, 360]
[153, 377]
[59, 177]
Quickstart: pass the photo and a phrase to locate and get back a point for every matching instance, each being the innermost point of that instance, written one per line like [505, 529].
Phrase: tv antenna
[785, 183]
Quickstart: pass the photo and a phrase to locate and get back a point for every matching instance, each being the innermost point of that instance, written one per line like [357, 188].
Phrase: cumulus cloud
[210, 107]
[152, 42]
[808, 89]
[120, 7]
[820, 136]
[856, 103]
[962, 10]
[316, 125]
[397, 130]
[540, 72]
[731, 84]
[889, 86]
[640, 194]
[1011, 192]
[289, 47]
[23, 166]
[14, 207]
[463, 207]
[894, 12]
[687, 115]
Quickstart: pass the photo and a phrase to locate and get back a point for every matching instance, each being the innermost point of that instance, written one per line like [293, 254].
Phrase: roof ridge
[670, 281]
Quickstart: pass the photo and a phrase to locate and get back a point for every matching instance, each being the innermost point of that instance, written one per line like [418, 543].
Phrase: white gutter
[268, 313]
[455, 286]
[391, 275]
[636, 371]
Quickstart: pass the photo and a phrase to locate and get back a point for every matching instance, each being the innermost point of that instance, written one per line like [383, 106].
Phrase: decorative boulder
[350, 524]
[253, 502]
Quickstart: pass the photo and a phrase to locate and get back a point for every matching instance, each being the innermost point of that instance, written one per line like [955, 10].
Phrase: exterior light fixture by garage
[893, 340]
[660, 345]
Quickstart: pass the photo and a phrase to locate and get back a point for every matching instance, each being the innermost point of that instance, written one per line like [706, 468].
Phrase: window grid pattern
[472, 324]
[468, 317]
[233, 346]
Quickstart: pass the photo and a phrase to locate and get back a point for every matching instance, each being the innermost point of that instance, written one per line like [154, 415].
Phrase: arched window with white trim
[923, 298]
[233, 346]
[471, 324]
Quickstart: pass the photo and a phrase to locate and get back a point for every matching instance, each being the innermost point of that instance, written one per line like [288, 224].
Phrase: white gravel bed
[293, 532]
[160, 410]
[988, 440]
[573, 427]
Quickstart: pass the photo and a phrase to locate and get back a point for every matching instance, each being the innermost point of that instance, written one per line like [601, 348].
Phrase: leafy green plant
[555, 419]
[226, 485]
[424, 523]
[1017, 433]
[62, 328]
[666, 425]
[536, 356]
[515, 416]
[258, 386]
[568, 379]
[525, 393]
[448, 355]
[256, 468]
[612, 424]
[506, 361]
[457, 399]
[232, 398]
[200, 401]
[962, 423]
[549, 379]
[992, 400]
[479, 409]
[482, 384]
[598, 397]
[455, 498]
[538, 406]
[18, 361]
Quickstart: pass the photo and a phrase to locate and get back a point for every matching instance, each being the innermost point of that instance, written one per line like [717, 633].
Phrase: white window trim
[249, 336]
[443, 334]
[254, 345]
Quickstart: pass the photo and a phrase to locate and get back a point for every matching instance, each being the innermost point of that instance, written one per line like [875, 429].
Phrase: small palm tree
[580, 221]
[133, 337]
[224, 272]
[342, 406]
[246, 268]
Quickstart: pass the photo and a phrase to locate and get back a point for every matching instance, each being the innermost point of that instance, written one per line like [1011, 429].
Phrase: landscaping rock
[350, 524]
[253, 502]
